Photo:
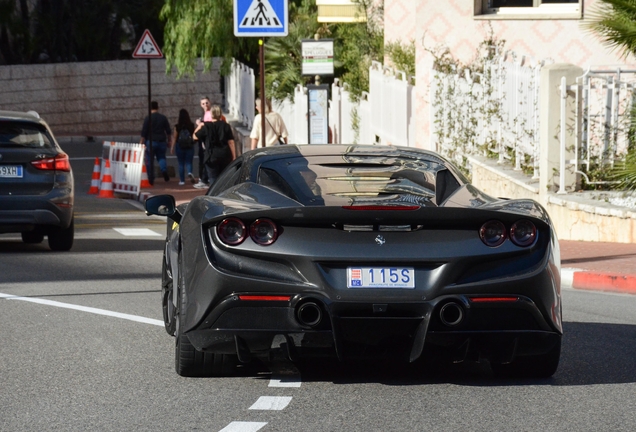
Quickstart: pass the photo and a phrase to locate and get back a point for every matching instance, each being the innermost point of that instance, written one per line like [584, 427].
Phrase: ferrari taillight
[263, 232]
[493, 233]
[232, 231]
[57, 163]
[523, 233]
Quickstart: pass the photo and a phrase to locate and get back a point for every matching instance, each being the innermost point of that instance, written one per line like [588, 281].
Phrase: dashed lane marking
[137, 232]
[285, 381]
[84, 309]
[238, 426]
[274, 403]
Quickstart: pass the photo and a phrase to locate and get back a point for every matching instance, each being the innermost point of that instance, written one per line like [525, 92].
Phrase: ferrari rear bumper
[463, 326]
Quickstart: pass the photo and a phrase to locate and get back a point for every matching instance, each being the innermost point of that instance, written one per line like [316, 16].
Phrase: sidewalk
[599, 266]
[584, 265]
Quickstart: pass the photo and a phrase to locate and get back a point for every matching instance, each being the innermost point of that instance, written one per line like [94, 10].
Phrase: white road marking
[274, 403]
[285, 381]
[137, 232]
[84, 309]
[237, 426]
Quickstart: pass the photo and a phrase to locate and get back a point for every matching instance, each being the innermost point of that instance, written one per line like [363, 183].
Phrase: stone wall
[103, 98]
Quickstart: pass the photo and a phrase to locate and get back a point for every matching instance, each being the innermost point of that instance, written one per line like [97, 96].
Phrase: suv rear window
[24, 134]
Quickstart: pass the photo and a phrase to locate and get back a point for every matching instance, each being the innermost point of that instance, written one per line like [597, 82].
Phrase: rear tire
[535, 366]
[61, 239]
[167, 283]
[32, 237]
[190, 362]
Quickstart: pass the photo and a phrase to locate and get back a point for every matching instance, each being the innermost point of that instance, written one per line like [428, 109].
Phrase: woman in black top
[184, 143]
[218, 142]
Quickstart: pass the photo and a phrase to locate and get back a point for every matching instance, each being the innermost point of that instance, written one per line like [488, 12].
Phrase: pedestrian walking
[275, 129]
[218, 142]
[157, 139]
[183, 139]
[206, 105]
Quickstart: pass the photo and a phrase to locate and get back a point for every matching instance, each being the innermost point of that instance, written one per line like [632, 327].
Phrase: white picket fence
[239, 93]
[384, 115]
[496, 111]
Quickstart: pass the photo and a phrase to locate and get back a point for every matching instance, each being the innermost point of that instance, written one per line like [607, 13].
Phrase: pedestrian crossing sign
[260, 18]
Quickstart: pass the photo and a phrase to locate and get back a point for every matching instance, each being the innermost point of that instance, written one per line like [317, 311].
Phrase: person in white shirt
[275, 129]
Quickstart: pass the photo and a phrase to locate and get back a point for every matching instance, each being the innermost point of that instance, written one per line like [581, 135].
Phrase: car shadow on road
[592, 353]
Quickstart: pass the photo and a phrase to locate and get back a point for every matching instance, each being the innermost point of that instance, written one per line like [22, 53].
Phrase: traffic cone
[106, 189]
[95, 180]
[145, 183]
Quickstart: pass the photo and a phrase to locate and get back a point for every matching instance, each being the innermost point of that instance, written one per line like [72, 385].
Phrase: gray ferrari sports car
[358, 252]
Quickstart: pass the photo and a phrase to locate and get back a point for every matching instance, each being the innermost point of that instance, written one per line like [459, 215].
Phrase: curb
[596, 281]
[143, 196]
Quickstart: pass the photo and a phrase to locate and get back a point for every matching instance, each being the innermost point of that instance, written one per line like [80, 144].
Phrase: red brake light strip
[263, 298]
[493, 299]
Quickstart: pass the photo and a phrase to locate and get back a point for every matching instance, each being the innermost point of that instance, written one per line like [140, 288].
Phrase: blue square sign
[260, 18]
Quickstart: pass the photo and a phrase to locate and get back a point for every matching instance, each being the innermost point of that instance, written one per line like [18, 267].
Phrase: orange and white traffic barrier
[145, 183]
[95, 181]
[106, 189]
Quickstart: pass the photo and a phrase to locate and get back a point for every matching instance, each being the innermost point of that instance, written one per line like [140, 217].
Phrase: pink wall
[451, 23]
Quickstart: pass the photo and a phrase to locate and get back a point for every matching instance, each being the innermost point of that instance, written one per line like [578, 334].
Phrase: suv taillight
[58, 163]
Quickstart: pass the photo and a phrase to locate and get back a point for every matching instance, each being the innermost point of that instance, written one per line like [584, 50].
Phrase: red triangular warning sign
[147, 47]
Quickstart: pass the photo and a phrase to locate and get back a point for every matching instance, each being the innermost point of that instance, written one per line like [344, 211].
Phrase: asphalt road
[83, 348]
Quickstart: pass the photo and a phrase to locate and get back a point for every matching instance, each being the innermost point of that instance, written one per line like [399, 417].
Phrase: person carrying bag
[275, 130]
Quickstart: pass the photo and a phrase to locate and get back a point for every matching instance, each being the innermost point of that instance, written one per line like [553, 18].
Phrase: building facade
[539, 29]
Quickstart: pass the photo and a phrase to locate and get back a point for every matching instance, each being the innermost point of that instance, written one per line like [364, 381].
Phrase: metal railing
[603, 121]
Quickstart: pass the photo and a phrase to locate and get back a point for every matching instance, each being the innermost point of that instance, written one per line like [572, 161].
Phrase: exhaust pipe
[451, 314]
[309, 314]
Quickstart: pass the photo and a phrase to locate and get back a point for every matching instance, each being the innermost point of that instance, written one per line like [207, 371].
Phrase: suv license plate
[11, 171]
[381, 277]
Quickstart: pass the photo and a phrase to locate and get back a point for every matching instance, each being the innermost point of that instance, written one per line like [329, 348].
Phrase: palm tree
[283, 57]
[615, 22]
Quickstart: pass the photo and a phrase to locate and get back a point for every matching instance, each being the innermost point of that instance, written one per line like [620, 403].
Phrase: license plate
[12, 171]
[380, 277]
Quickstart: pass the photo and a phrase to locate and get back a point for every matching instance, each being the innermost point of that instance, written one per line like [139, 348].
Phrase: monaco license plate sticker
[380, 277]
[11, 171]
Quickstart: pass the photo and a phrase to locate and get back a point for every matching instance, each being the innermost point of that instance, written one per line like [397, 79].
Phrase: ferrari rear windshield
[345, 180]
[23, 134]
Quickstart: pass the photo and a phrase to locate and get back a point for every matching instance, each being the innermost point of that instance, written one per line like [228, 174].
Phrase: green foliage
[625, 172]
[203, 29]
[283, 56]
[615, 22]
[358, 45]
[199, 29]
[402, 56]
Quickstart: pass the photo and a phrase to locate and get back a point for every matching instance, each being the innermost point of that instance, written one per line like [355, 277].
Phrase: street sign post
[261, 18]
[317, 56]
[148, 49]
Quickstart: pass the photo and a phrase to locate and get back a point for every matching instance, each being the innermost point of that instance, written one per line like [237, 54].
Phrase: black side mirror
[162, 205]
